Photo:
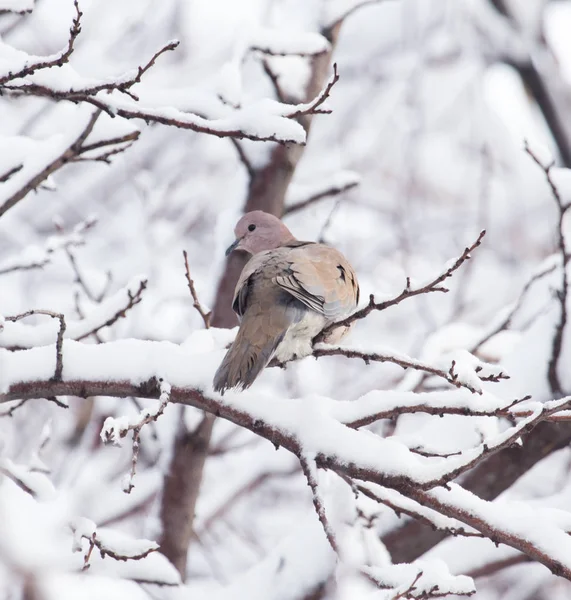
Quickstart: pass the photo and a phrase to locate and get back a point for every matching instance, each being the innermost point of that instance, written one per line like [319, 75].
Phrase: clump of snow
[425, 575]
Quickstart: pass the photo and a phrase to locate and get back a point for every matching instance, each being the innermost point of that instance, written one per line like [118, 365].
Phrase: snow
[81, 528]
[539, 527]
[431, 124]
[294, 568]
[425, 575]
[262, 119]
[18, 335]
[58, 586]
[37, 483]
[192, 366]
[17, 5]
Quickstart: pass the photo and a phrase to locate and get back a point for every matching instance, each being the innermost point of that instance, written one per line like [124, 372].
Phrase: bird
[287, 293]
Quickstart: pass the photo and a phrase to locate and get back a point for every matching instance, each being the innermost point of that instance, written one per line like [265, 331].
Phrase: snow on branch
[305, 428]
[265, 120]
[108, 543]
[42, 159]
[401, 505]
[434, 285]
[15, 335]
[114, 429]
[32, 482]
[23, 65]
[465, 371]
[420, 580]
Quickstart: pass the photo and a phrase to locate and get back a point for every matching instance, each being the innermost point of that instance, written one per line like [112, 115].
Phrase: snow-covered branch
[350, 453]
[15, 335]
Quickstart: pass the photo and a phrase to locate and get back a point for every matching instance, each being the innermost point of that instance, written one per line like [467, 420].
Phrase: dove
[287, 293]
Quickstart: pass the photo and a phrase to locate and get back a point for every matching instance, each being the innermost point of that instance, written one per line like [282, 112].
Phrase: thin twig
[196, 303]
[408, 363]
[310, 472]
[313, 107]
[333, 190]
[133, 300]
[113, 430]
[95, 542]
[280, 94]
[552, 369]
[49, 62]
[10, 172]
[243, 158]
[408, 292]
[400, 509]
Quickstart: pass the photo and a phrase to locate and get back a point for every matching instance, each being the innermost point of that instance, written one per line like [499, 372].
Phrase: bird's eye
[251, 227]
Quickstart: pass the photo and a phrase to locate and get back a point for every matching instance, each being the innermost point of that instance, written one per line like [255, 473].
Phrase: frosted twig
[506, 441]
[408, 292]
[95, 542]
[123, 86]
[196, 303]
[440, 411]
[73, 150]
[54, 61]
[310, 471]
[115, 429]
[313, 107]
[552, 374]
[401, 509]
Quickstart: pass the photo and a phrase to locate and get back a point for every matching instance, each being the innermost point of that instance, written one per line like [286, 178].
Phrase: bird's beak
[233, 246]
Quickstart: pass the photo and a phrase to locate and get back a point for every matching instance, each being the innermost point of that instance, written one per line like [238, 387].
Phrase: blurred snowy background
[426, 143]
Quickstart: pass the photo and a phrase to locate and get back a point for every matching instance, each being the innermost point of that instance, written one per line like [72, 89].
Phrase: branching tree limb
[552, 369]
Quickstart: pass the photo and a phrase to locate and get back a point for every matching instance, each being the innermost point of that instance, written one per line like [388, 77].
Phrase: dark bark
[181, 487]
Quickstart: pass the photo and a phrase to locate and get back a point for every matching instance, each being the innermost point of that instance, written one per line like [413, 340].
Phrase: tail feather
[244, 361]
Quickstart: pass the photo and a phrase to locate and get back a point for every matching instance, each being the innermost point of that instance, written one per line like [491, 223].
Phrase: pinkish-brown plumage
[287, 293]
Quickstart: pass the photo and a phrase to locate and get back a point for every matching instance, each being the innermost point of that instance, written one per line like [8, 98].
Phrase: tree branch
[333, 190]
[552, 369]
[196, 302]
[408, 292]
[51, 61]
